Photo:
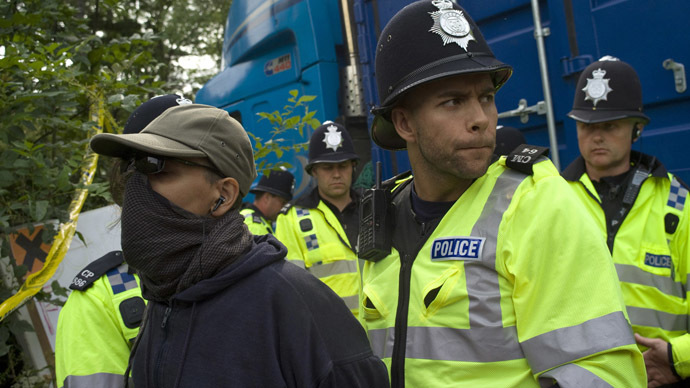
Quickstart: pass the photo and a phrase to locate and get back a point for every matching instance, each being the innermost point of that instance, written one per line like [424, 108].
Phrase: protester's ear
[229, 189]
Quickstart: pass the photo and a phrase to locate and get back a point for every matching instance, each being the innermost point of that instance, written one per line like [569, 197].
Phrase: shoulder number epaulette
[525, 156]
[286, 208]
[95, 270]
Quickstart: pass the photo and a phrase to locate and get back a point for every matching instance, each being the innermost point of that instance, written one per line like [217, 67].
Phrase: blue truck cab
[326, 48]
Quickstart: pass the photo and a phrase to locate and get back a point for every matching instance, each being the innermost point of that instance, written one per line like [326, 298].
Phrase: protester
[105, 301]
[225, 308]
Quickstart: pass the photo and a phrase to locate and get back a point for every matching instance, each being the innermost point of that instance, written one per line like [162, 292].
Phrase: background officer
[640, 210]
[478, 289]
[271, 194]
[101, 317]
[320, 229]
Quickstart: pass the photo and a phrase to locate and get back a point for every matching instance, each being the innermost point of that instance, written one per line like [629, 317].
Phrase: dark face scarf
[171, 248]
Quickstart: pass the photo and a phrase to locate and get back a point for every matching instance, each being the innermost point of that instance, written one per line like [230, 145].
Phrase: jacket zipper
[398, 358]
[161, 350]
[400, 341]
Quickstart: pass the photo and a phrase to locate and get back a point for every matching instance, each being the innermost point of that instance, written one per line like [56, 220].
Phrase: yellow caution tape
[62, 240]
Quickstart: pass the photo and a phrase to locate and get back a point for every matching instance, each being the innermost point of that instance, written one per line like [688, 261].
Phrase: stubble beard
[453, 165]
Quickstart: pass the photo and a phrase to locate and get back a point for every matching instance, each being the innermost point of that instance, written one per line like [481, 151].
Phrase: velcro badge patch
[457, 248]
[658, 261]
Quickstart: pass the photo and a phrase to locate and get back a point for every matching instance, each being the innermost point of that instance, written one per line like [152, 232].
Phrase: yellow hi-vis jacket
[513, 288]
[651, 252]
[255, 221]
[97, 325]
[316, 241]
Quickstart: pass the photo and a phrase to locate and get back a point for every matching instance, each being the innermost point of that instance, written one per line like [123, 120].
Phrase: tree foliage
[295, 116]
[57, 58]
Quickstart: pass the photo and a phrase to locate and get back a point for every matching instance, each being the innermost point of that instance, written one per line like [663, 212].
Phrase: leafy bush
[294, 116]
[53, 68]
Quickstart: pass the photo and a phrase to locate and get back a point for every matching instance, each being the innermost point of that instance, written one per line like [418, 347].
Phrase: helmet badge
[333, 138]
[597, 88]
[450, 24]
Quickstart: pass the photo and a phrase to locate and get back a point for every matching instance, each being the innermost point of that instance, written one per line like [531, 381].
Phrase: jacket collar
[577, 168]
[256, 210]
[311, 200]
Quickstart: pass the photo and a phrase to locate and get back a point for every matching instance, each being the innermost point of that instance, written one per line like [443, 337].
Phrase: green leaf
[5, 179]
[314, 124]
[21, 163]
[58, 289]
[115, 98]
[4, 334]
[81, 237]
[308, 116]
[304, 99]
[18, 326]
[4, 348]
[41, 210]
[291, 122]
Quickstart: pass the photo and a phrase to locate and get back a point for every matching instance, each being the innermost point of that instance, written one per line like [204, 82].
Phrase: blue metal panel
[643, 33]
[371, 18]
[272, 47]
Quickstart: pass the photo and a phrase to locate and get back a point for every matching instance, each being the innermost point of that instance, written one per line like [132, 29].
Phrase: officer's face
[333, 179]
[451, 125]
[605, 147]
[186, 186]
[273, 205]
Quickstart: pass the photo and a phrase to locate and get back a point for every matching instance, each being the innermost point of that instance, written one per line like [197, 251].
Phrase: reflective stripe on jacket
[652, 264]
[255, 222]
[512, 288]
[93, 341]
[315, 240]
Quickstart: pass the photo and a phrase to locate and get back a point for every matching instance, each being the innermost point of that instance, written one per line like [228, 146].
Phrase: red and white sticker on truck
[277, 65]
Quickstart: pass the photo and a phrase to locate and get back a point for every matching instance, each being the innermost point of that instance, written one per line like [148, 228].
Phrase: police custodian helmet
[278, 182]
[425, 41]
[330, 143]
[608, 89]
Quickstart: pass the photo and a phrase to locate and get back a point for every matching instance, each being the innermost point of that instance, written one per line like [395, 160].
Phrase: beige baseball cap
[193, 130]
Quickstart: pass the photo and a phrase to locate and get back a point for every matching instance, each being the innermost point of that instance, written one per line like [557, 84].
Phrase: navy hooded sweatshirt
[260, 322]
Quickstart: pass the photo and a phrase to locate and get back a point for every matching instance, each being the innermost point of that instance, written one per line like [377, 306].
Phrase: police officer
[320, 229]
[479, 287]
[101, 318]
[271, 194]
[639, 209]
